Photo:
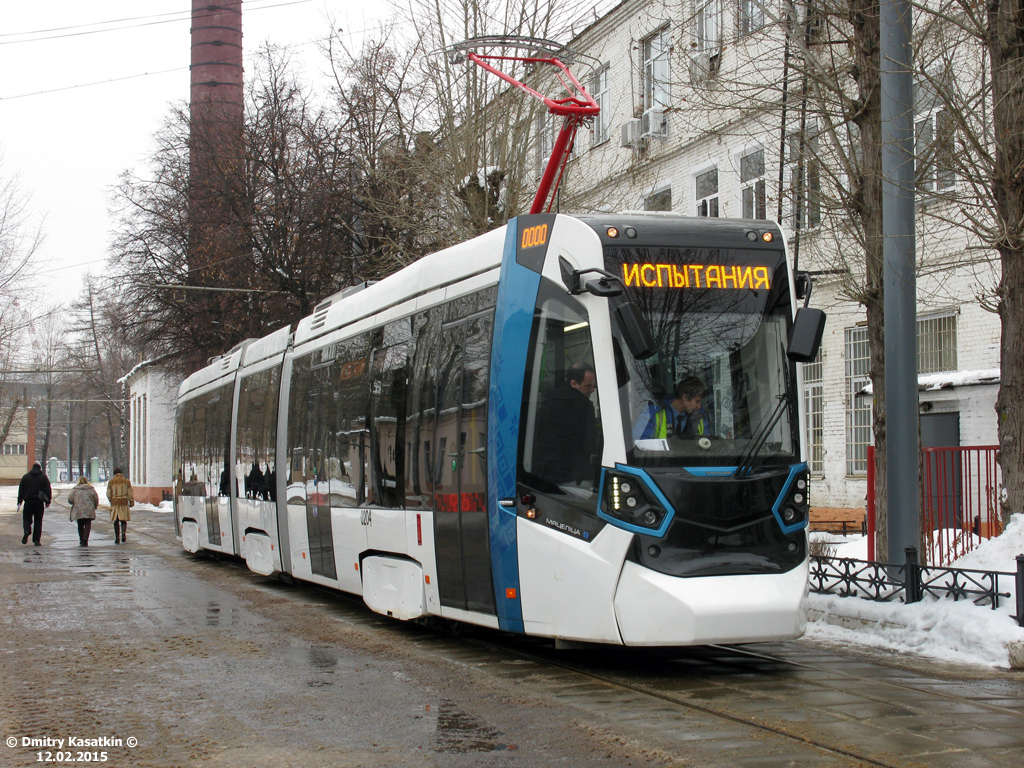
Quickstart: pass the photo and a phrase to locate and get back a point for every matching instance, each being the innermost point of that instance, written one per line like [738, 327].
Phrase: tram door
[460, 452]
[317, 476]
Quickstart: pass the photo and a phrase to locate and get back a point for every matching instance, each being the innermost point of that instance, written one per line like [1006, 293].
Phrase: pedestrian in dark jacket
[35, 494]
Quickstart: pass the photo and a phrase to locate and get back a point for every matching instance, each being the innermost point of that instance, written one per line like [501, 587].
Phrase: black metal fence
[909, 582]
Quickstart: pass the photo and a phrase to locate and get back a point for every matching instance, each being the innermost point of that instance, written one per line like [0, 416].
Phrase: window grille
[858, 407]
[936, 343]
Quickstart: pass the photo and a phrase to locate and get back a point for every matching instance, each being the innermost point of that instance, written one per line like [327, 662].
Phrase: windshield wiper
[745, 467]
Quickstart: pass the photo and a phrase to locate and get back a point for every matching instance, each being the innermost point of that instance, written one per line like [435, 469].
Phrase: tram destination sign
[724, 276]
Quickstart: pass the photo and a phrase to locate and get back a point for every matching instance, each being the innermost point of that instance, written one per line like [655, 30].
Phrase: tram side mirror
[805, 336]
[634, 329]
[603, 286]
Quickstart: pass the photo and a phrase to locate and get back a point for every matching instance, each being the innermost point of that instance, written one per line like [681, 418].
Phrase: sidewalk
[957, 631]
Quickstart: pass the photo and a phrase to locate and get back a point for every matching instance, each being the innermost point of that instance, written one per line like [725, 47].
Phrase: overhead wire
[179, 16]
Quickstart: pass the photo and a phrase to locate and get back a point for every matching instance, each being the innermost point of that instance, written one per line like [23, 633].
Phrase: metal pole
[68, 479]
[899, 280]
[1019, 590]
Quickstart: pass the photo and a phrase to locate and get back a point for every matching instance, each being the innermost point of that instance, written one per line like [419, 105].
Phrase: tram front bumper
[656, 609]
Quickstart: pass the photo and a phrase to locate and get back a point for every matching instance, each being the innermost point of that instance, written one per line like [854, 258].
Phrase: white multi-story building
[692, 122]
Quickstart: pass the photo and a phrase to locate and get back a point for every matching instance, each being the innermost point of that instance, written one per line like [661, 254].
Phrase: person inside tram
[254, 482]
[567, 437]
[679, 414]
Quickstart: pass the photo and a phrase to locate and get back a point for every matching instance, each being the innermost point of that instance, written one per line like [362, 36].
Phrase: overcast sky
[85, 86]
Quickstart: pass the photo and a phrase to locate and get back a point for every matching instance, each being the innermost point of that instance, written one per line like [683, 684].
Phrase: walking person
[83, 500]
[121, 498]
[35, 493]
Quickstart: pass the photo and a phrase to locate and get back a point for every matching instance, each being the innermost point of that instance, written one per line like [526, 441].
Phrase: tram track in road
[693, 706]
[850, 708]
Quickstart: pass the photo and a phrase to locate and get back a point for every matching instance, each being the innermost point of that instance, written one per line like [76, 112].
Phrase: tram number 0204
[366, 517]
[534, 236]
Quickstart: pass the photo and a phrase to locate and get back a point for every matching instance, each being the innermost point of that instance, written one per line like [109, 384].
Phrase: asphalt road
[142, 655]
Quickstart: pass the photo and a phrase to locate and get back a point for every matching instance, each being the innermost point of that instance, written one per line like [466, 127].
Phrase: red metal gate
[960, 490]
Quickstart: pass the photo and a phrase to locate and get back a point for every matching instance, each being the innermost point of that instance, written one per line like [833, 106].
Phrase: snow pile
[942, 629]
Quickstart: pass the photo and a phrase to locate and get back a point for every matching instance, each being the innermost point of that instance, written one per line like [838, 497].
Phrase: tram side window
[348, 441]
[420, 420]
[256, 436]
[561, 426]
[388, 408]
[298, 439]
[218, 441]
[184, 456]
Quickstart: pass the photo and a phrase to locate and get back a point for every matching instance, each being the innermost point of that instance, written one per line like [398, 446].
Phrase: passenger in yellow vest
[678, 414]
[121, 498]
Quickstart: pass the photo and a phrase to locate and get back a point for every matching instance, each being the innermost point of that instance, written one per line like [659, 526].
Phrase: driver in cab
[678, 414]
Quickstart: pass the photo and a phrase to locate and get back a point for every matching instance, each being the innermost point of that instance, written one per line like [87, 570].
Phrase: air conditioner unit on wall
[700, 67]
[631, 133]
[652, 124]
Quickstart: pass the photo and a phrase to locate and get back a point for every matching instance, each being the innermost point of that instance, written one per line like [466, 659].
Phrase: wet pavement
[201, 663]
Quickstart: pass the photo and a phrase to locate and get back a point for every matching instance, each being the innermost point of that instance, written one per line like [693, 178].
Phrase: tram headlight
[627, 499]
[795, 507]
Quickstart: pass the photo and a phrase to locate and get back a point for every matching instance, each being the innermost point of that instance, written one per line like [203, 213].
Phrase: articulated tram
[425, 442]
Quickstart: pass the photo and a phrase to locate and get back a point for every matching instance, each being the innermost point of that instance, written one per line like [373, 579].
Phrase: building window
[936, 343]
[814, 401]
[752, 185]
[706, 193]
[751, 16]
[145, 416]
[858, 407]
[659, 201]
[599, 90]
[657, 71]
[708, 15]
[933, 152]
[803, 196]
[14, 449]
[545, 139]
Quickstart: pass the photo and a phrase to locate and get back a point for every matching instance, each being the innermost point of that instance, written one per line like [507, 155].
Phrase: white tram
[406, 442]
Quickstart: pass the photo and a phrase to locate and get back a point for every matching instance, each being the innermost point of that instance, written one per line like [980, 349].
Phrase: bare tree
[20, 238]
[291, 211]
[971, 152]
[491, 147]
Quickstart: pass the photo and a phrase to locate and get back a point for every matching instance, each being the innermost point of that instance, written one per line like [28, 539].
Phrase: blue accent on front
[622, 469]
[795, 470]
[653, 489]
[513, 320]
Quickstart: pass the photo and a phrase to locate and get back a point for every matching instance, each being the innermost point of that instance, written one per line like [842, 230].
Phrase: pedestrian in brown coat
[121, 498]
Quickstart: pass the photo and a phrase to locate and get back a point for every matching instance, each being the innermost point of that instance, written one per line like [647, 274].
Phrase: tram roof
[662, 229]
[430, 273]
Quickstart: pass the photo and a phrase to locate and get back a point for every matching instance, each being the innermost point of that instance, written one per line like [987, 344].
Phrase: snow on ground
[943, 629]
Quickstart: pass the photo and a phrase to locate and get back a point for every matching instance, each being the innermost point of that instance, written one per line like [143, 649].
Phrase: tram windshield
[719, 390]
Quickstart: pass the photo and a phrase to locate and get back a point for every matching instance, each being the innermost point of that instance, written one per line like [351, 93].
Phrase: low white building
[152, 396]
